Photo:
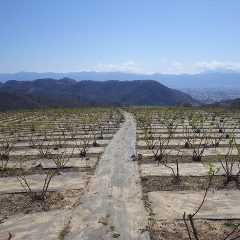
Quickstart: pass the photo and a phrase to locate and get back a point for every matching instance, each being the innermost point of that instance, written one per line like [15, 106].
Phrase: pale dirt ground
[218, 205]
[44, 225]
[68, 180]
[185, 169]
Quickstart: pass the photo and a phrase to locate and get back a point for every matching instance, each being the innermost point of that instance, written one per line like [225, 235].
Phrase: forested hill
[67, 92]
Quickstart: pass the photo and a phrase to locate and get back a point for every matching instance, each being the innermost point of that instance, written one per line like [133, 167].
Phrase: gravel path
[112, 207]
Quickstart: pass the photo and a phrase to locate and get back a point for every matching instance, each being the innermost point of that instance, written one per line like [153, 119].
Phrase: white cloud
[177, 65]
[128, 67]
[217, 65]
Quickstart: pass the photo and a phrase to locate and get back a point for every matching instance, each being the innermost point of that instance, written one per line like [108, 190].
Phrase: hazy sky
[167, 36]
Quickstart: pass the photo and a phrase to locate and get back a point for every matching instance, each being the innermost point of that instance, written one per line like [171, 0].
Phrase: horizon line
[120, 72]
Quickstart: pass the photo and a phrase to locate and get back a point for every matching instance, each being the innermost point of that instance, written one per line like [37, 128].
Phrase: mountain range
[229, 79]
[67, 92]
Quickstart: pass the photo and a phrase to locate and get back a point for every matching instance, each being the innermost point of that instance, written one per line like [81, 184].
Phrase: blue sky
[167, 36]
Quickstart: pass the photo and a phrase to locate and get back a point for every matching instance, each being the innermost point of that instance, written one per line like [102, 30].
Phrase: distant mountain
[70, 93]
[208, 79]
[96, 76]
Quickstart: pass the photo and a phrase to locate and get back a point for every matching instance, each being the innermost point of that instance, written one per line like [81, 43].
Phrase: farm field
[135, 173]
[47, 159]
[189, 167]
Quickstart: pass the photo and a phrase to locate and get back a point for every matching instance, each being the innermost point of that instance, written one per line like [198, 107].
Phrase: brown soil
[182, 147]
[52, 147]
[16, 203]
[182, 159]
[164, 183]
[37, 157]
[207, 230]
[142, 138]
[11, 172]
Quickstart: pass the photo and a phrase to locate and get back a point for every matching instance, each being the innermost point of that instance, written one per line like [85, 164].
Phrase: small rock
[39, 166]
[133, 157]
[95, 144]
[59, 172]
[116, 235]
[10, 236]
[2, 219]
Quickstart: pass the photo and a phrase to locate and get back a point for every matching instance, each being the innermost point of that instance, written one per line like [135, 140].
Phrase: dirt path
[112, 207]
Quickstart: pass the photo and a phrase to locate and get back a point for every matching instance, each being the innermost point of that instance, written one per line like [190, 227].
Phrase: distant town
[211, 95]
